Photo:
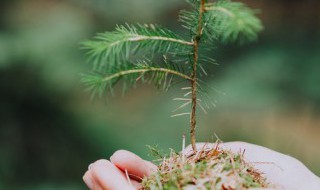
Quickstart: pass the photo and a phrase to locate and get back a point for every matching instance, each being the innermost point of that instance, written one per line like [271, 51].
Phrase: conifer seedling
[149, 53]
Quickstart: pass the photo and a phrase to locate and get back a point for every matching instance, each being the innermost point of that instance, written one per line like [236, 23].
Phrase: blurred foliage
[267, 93]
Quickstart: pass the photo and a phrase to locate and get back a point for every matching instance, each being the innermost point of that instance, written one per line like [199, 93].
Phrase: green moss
[211, 169]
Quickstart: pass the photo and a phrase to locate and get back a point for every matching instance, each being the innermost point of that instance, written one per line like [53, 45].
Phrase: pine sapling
[150, 53]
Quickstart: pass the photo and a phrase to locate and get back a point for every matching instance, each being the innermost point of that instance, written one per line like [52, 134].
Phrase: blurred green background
[268, 92]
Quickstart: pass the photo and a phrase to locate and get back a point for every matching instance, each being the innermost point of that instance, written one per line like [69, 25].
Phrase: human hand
[283, 171]
[124, 171]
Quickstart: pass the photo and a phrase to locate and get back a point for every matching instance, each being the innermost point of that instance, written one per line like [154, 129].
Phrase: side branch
[138, 38]
[160, 38]
[150, 69]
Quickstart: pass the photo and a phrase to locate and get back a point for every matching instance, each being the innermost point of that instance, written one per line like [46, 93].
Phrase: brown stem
[196, 40]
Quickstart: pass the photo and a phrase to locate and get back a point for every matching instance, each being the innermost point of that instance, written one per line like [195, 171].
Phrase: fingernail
[90, 166]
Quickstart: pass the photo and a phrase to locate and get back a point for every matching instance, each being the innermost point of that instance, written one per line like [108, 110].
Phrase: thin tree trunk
[196, 40]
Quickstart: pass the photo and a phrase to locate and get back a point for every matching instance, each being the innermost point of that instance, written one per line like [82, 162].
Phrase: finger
[108, 176]
[87, 178]
[136, 166]
[133, 182]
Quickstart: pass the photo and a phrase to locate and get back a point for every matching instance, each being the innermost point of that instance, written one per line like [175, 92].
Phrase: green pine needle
[142, 71]
[109, 49]
[233, 21]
